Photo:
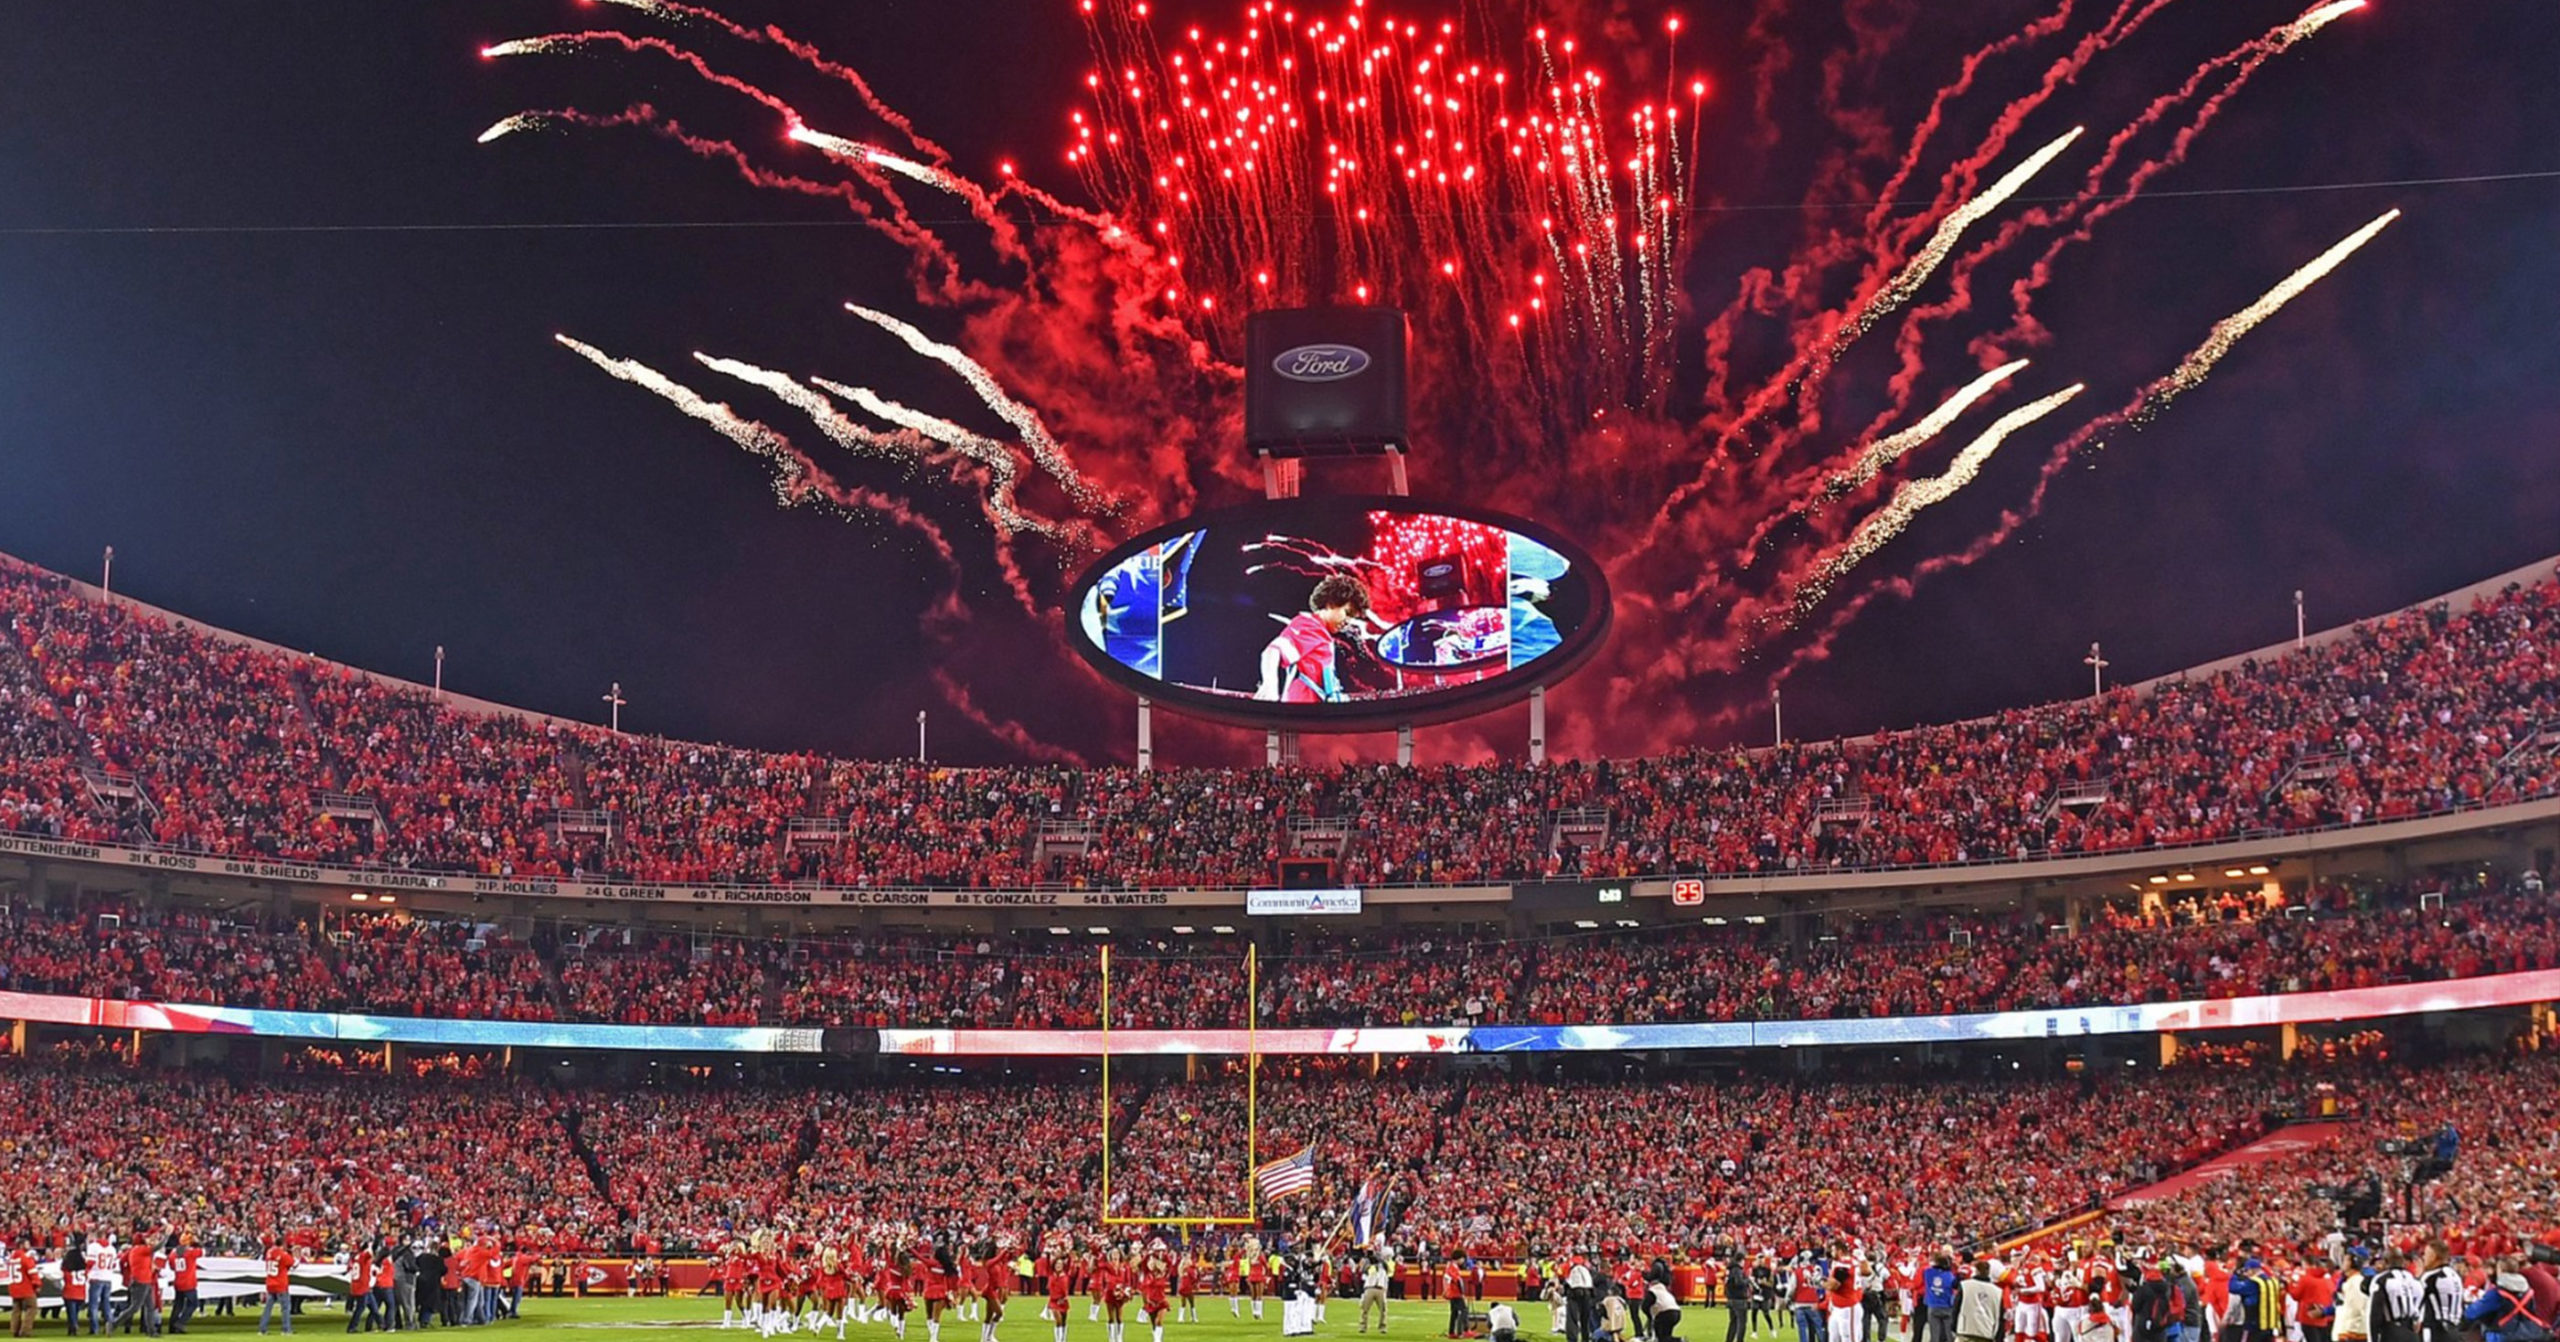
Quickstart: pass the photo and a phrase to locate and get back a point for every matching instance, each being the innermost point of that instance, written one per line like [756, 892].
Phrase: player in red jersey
[2027, 1294]
[2071, 1300]
[1297, 664]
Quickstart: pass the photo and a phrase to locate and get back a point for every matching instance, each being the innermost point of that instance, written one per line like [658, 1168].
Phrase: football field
[570, 1320]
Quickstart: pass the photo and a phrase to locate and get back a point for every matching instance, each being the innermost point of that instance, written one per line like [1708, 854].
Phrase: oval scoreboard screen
[1340, 613]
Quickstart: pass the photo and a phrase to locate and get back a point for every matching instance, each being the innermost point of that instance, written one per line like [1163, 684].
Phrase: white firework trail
[906, 447]
[2227, 332]
[521, 121]
[855, 151]
[737, 428]
[671, 14]
[1943, 241]
[917, 437]
[1887, 522]
[1885, 451]
[1025, 421]
[1003, 471]
[555, 44]
[2314, 21]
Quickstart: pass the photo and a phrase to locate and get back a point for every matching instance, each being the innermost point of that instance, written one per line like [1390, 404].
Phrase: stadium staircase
[115, 797]
[573, 1125]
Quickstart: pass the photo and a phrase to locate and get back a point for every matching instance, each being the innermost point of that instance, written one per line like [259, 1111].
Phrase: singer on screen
[1297, 664]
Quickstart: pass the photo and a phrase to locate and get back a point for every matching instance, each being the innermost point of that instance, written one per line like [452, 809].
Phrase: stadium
[1246, 969]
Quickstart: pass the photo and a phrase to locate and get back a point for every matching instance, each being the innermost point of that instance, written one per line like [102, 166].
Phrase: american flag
[1288, 1174]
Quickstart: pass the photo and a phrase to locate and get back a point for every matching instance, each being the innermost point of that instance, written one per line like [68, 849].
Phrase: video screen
[1320, 603]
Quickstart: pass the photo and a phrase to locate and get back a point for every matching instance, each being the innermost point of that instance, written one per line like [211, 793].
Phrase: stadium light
[1223, 930]
[2234, 873]
[1585, 924]
[2259, 869]
[1062, 931]
[1099, 931]
[2186, 876]
[1754, 919]
[2159, 880]
[1715, 920]
[1182, 929]
[359, 896]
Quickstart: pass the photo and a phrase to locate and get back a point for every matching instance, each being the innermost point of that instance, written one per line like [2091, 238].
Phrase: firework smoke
[1528, 203]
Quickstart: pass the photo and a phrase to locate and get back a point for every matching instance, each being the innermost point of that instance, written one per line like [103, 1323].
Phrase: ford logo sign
[1321, 363]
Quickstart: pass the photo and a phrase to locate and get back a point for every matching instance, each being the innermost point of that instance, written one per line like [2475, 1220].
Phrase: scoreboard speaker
[1306, 873]
[1440, 580]
[1324, 381]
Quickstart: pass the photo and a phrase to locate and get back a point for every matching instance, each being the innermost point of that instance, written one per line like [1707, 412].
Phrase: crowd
[2501, 1189]
[246, 751]
[2220, 943]
[1485, 1166]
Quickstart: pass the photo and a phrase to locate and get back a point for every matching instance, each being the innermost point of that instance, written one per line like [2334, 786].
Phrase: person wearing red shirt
[1298, 663]
[141, 1286]
[1186, 1288]
[1061, 1281]
[1155, 1292]
[735, 1308]
[1257, 1273]
[1453, 1289]
[20, 1270]
[1842, 1298]
[74, 1267]
[831, 1288]
[891, 1286]
[183, 1258]
[2315, 1301]
[493, 1280]
[995, 1286]
[279, 1284]
[936, 1279]
[360, 1289]
[519, 1270]
[1111, 1282]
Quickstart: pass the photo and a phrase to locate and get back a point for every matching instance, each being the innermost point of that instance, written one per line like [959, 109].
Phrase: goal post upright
[1252, 1119]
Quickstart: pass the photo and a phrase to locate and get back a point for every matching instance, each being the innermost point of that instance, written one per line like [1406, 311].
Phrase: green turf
[581, 1321]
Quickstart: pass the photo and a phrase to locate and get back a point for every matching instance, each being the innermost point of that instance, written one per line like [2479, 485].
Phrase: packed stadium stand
[129, 731]
[128, 727]
[2130, 951]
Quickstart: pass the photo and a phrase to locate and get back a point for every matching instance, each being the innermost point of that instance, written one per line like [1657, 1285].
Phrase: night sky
[362, 440]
